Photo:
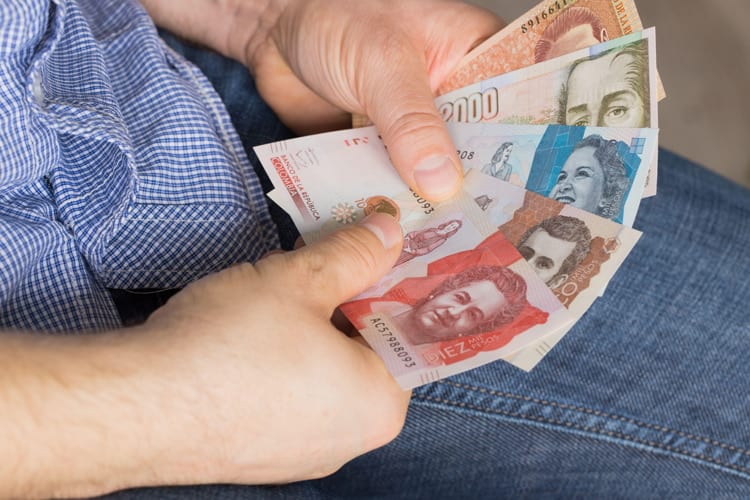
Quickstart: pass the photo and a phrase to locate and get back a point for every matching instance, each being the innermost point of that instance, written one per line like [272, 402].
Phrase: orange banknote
[551, 29]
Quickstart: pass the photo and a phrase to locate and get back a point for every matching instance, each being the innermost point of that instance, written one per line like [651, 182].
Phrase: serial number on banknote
[465, 155]
[396, 346]
[545, 14]
[424, 204]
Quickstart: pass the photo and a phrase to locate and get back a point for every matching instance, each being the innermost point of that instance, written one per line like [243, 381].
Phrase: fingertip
[437, 178]
[385, 228]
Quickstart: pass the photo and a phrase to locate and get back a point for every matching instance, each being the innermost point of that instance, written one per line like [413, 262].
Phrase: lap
[645, 397]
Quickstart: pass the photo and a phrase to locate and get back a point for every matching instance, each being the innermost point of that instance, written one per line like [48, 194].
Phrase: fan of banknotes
[555, 121]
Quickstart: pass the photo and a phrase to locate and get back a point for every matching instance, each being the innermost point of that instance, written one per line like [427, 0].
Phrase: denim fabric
[647, 397]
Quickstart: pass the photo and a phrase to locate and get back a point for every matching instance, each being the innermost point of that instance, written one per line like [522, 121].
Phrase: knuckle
[327, 266]
[392, 420]
[413, 125]
[308, 267]
[355, 256]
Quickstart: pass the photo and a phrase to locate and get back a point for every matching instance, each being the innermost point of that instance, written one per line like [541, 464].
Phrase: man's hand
[316, 61]
[382, 59]
[241, 377]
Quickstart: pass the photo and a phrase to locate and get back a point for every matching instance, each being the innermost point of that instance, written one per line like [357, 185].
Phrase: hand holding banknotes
[380, 59]
[239, 378]
[280, 387]
[323, 59]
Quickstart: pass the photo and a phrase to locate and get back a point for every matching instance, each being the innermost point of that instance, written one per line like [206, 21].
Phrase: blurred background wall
[703, 56]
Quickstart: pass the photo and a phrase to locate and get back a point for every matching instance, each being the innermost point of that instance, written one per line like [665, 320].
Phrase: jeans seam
[600, 413]
[577, 426]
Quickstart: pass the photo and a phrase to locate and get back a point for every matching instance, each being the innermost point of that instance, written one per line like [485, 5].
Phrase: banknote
[434, 231]
[329, 176]
[601, 170]
[460, 296]
[550, 29]
[574, 252]
[608, 85]
[329, 180]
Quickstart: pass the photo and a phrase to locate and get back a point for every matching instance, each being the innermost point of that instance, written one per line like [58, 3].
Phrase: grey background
[703, 56]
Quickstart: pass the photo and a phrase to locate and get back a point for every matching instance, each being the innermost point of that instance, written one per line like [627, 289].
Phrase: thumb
[400, 104]
[346, 262]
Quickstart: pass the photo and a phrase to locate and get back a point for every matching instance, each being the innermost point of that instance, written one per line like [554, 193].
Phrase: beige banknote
[550, 29]
[608, 85]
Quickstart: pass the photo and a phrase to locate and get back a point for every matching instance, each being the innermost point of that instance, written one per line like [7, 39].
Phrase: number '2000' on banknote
[611, 84]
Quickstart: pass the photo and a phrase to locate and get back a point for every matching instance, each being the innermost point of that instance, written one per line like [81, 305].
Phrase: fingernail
[385, 227]
[436, 177]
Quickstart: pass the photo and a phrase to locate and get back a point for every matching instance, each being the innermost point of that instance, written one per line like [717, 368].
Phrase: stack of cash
[555, 121]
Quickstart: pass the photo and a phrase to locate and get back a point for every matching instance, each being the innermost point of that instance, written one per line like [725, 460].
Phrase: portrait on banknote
[592, 173]
[555, 247]
[606, 85]
[550, 29]
[499, 165]
[475, 300]
[571, 250]
[573, 29]
[610, 89]
[453, 310]
[600, 170]
[423, 241]
[593, 178]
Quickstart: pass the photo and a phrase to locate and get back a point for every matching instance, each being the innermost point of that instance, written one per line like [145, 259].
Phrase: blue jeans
[647, 397]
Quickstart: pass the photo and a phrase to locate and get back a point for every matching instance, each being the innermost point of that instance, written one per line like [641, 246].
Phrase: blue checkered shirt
[119, 166]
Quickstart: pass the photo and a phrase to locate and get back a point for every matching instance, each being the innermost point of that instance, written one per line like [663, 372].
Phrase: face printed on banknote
[573, 28]
[551, 29]
[599, 170]
[555, 246]
[473, 301]
[456, 298]
[608, 90]
[609, 84]
[575, 252]
[467, 301]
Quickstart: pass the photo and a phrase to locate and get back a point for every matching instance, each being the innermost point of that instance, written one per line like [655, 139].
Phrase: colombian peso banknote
[575, 252]
[607, 85]
[601, 170]
[460, 296]
[438, 231]
[552, 28]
